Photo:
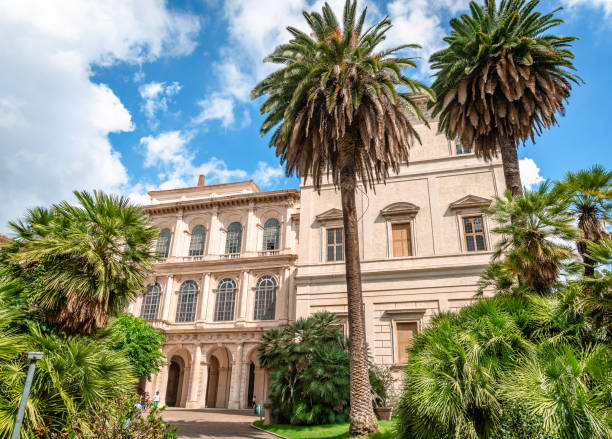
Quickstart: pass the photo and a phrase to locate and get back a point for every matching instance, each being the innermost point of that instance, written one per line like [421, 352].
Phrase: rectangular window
[335, 246]
[460, 148]
[474, 233]
[401, 239]
[405, 332]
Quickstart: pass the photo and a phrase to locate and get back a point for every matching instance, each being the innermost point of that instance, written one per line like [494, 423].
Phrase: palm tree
[89, 260]
[533, 228]
[337, 112]
[568, 388]
[501, 79]
[591, 192]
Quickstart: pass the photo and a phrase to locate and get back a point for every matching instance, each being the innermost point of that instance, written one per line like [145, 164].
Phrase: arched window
[226, 300]
[187, 300]
[150, 302]
[234, 238]
[270, 234]
[163, 243]
[265, 298]
[198, 238]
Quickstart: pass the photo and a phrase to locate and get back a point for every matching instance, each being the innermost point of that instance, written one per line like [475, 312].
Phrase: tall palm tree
[501, 79]
[337, 112]
[533, 228]
[591, 192]
[90, 260]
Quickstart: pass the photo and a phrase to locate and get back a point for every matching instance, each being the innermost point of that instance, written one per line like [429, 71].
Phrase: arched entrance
[213, 382]
[257, 383]
[219, 376]
[176, 374]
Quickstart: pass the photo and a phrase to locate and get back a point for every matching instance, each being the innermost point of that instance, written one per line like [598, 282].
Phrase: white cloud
[254, 35]
[170, 155]
[216, 106]
[54, 120]
[156, 96]
[530, 173]
[267, 175]
[606, 5]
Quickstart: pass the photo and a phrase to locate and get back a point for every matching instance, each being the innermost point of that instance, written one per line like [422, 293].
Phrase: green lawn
[331, 431]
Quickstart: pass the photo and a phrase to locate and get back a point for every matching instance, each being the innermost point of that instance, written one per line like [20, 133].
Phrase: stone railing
[268, 253]
[229, 256]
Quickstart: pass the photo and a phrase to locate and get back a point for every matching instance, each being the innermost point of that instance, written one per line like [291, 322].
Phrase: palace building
[238, 261]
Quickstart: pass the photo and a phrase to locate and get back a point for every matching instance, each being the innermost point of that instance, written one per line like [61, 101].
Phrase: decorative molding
[395, 312]
[329, 215]
[470, 202]
[399, 209]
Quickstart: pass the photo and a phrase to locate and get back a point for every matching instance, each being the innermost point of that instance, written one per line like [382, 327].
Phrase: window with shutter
[405, 333]
[401, 239]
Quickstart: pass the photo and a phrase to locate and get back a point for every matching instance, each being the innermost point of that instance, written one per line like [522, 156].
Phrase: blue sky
[129, 96]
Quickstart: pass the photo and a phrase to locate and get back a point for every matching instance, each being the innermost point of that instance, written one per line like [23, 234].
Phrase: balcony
[268, 253]
[227, 256]
[190, 258]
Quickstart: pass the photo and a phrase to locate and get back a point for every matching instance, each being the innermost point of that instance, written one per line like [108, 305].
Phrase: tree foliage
[140, 341]
[533, 228]
[337, 82]
[309, 370]
[502, 78]
[94, 255]
[521, 364]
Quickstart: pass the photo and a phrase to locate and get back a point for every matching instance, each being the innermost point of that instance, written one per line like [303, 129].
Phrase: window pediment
[329, 215]
[400, 209]
[470, 202]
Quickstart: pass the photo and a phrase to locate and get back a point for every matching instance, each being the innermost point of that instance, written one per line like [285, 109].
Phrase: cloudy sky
[132, 95]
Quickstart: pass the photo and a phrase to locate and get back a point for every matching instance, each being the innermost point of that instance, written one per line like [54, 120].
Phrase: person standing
[156, 399]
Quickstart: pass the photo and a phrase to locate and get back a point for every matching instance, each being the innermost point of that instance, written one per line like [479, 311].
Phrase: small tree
[140, 341]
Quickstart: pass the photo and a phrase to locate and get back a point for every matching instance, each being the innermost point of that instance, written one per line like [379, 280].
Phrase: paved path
[213, 423]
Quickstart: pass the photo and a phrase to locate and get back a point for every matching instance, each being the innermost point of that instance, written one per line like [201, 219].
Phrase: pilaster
[167, 298]
[236, 380]
[194, 379]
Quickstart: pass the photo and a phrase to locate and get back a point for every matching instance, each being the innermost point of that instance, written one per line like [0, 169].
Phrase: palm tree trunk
[363, 420]
[591, 231]
[512, 173]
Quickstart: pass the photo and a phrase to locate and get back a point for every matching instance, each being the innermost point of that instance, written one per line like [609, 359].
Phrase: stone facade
[423, 244]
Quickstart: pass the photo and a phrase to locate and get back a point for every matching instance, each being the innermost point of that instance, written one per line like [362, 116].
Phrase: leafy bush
[140, 341]
[76, 374]
[516, 422]
[121, 418]
[308, 362]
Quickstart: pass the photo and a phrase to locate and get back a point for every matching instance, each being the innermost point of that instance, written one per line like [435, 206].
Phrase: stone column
[203, 383]
[210, 311]
[236, 380]
[178, 239]
[283, 294]
[244, 285]
[162, 383]
[167, 298]
[214, 235]
[194, 379]
[287, 241]
[250, 244]
[369, 326]
[291, 297]
[203, 302]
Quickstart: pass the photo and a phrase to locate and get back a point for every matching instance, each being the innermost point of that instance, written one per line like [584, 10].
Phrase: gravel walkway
[213, 423]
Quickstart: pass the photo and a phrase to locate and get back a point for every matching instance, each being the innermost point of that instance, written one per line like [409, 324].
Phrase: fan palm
[591, 192]
[94, 258]
[501, 79]
[533, 228]
[75, 375]
[337, 113]
[567, 388]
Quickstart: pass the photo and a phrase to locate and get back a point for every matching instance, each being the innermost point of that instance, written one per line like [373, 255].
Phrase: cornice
[231, 200]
